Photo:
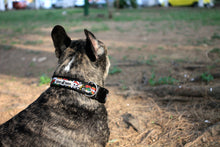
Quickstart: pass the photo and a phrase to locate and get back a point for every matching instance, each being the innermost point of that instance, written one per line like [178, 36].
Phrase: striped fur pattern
[63, 117]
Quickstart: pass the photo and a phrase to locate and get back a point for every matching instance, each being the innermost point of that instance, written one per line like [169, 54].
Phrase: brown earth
[137, 115]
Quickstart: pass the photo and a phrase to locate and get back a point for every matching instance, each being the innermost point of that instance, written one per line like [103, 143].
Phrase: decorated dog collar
[90, 89]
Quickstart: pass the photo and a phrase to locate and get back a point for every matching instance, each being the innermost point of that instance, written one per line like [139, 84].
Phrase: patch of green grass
[215, 55]
[152, 30]
[112, 58]
[197, 50]
[152, 80]
[180, 60]
[120, 29]
[215, 50]
[149, 61]
[203, 41]
[114, 70]
[205, 16]
[76, 14]
[131, 47]
[20, 22]
[119, 49]
[144, 46]
[207, 77]
[44, 79]
[124, 87]
[34, 42]
[175, 45]
[160, 48]
[100, 27]
[30, 21]
[125, 58]
[77, 30]
[32, 64]
[6, 47]
[166, 59]
[215, 36]
[3, 41]
[15, 42]
[167, 80]
[210, 67]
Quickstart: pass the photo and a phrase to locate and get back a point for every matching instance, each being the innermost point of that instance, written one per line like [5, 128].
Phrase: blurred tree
[133, 4]
[110, 8]
[120, 4]
[86, 8]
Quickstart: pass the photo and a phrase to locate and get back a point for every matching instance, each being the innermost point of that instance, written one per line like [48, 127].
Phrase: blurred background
[48, 4]
[164, 79]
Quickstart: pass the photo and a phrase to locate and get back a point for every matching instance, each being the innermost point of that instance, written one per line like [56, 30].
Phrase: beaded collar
[89, 89]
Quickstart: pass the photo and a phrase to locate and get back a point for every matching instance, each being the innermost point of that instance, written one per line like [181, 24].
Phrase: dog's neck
[89, 89]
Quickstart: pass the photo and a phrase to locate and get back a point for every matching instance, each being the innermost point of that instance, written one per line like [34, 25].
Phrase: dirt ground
[139, 114]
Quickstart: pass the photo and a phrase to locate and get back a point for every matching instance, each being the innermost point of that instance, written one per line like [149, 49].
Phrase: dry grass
[159, 124]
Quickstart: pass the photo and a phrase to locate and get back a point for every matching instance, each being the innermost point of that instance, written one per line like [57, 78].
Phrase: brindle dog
[63, 116]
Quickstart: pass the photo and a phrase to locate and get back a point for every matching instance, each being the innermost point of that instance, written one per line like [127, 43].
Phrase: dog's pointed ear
[93, 48]
[60, 40]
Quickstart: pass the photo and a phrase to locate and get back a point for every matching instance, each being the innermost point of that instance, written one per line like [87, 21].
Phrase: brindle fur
[63, 117]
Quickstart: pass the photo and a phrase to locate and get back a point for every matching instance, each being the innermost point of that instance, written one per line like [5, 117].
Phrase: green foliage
[162, 80]
[120, 4]
[160, 48]
[30, 21]
[149, 61]
[133, 3]
[166, 80]
[99, 27]
[215, 55]
[34, 42]
[114, 70]
[125, 58]
[124, 87]
[120, 29]
[203, 41]
[125, 3]
[215, 50]
[44, 79]
[216, 36]
[5, 47]
[152, 81]
[207, 77]
[180, 60]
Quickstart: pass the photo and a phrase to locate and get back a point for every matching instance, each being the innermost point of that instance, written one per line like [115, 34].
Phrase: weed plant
[114, 70]
[44, 79]
[162, 80]
[207, 77]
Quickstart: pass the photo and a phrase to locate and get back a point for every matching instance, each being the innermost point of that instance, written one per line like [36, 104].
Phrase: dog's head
[83, 59]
